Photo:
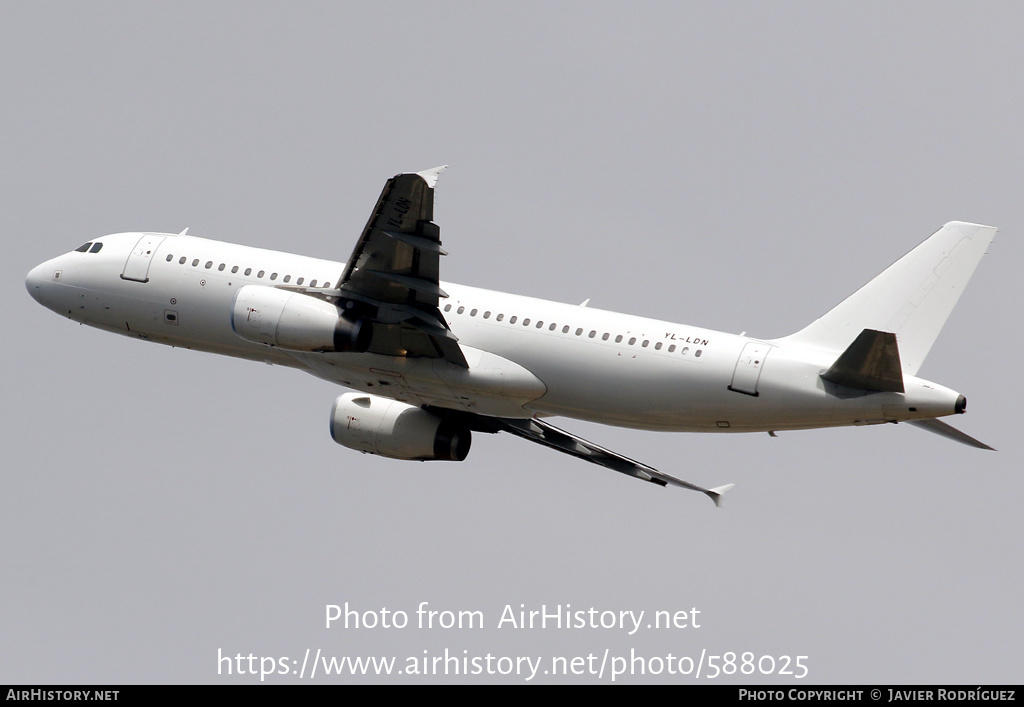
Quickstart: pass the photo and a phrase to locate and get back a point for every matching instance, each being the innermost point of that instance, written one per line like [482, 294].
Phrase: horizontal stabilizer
[871, 362]
[946, 430]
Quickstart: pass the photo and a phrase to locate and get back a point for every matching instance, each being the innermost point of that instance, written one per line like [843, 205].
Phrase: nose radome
[34, 281]
[39, 279]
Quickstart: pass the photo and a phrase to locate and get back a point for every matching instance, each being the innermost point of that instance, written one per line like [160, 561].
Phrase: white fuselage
[526, 356]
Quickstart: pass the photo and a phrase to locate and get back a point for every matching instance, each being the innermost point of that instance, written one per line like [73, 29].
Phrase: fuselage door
[137, 266]
[748, 367]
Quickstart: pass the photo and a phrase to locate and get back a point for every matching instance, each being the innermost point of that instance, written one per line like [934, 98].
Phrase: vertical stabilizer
[912, 298]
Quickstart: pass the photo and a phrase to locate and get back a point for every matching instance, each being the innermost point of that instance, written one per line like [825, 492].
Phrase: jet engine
[292, 320]
[376, 425]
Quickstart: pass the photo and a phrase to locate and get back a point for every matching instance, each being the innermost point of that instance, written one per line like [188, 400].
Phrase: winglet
[430, 175]
[716, 494]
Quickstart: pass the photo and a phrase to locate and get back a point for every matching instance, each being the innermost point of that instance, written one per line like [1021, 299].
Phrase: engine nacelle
[292, 320]
[376, 425]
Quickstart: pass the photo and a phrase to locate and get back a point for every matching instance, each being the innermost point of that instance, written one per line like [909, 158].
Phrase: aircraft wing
[394, 271]
[541, 432]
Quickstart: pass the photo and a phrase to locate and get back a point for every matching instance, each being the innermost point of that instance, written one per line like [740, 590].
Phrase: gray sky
[738, 166]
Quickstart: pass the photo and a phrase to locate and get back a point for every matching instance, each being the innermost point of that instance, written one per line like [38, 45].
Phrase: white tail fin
[912, 298]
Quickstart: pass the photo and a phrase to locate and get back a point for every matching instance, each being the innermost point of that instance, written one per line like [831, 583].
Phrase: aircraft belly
[644, 390]
[492, 385]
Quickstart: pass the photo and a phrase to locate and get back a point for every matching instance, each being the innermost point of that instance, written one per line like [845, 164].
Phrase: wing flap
[417, 242]
[416, 284]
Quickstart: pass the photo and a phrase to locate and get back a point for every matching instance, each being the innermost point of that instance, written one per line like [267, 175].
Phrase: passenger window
[487, 314]
[300, 281]
[327, 285]
[512, 319]
[181, 260]
[234, 269]
[460, 310]
[697, 353]
[312, 283]
[248, 271]
[209, 264]
[618, 339]
[261, 273]
[287, 278]
[195, 263]
[657, 346]
[578, 332]
[273, 276]
[592, 334]
[565, 329]
[671, 348]
[552, 327]
[220, 268]
[526, 322]
[473, 312]
[170, 258]
[447, 308]
[604, 337]
[632, 340]
[645, 343]
[685, 350]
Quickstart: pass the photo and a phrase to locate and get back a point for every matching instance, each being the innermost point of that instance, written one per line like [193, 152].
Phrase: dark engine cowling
[376, 425]
[292, 320]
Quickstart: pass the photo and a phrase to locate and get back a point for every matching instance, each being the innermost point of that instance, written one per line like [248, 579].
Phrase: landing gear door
[137, 266]
[748, 367]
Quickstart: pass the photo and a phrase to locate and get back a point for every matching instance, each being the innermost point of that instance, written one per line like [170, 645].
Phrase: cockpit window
[84, 248]
[96, 247]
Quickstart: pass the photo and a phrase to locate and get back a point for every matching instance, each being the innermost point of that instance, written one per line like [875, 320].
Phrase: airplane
[431, 362]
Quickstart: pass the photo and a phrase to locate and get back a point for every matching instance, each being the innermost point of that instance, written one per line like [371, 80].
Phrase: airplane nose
[33, 281]
[37, 280]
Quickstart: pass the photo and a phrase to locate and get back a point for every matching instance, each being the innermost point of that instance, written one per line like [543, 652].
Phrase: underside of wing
[392, 275]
